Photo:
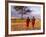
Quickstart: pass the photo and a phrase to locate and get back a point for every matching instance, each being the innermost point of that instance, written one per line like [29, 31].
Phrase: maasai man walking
[33, 21]
[27, 22]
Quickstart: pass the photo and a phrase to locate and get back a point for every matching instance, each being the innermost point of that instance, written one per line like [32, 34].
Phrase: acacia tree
[22, 10]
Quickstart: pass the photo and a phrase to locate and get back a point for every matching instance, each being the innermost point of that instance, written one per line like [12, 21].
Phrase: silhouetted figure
[33, 21]
[27, 21]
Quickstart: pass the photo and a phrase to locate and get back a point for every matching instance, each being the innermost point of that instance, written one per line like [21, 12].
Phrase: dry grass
[19, 24]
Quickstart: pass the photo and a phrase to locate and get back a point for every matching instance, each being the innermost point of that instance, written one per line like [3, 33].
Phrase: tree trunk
[22, 14]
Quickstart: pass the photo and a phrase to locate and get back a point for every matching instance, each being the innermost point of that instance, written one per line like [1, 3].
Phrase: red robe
[33, 22]
[27, 22]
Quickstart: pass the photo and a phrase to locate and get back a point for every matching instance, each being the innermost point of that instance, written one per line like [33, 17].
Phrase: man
[33, 21]
[27, 21]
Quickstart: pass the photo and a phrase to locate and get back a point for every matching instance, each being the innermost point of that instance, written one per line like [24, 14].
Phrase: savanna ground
[20, 24]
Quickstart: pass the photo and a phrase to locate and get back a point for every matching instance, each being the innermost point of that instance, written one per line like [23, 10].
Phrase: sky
[36, 11]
